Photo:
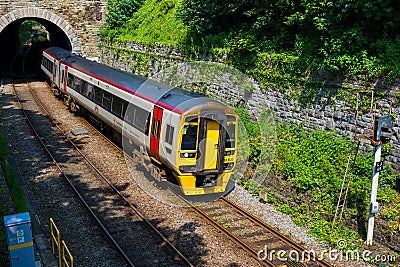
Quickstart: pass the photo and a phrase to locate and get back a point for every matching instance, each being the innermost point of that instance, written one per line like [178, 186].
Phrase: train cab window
[189, 137]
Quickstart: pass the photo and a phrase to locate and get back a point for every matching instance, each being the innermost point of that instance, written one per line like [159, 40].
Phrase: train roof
[161, 94]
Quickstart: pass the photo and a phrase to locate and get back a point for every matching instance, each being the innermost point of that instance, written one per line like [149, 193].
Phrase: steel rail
[98, 172]
[244, 213]
[98, 221]
[232, 237]
[281, 236]
[143, 218]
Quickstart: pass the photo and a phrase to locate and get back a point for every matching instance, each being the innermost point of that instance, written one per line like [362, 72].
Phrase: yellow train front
[205, 153]
[176, 133]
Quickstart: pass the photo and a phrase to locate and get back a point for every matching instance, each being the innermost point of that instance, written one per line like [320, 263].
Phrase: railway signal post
[382, 135]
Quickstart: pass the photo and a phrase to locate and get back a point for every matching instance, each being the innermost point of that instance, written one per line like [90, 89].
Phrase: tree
[120, 11]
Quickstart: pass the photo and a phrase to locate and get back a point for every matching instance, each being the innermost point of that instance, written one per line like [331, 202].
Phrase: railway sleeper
[74, 107]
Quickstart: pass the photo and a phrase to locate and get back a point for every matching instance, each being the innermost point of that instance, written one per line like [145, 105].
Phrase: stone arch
[32, 12]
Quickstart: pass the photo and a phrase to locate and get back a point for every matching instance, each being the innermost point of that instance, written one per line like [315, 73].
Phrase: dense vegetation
[338, 36]
[155, 21]
[335, 31]
[306, 175]
[16, 194]
[285, 45]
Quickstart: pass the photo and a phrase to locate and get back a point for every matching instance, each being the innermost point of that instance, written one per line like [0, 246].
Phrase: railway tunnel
[19, 59]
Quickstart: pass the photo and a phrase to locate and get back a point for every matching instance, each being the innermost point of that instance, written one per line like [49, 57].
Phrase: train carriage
[183, 134]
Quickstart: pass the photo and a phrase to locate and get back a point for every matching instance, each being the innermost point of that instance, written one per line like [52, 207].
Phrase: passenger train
[183, 136]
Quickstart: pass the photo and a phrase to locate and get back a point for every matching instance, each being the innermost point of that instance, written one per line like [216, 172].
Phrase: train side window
[146, 130]
[129, 114]
[47, 64]
[169, 135]
[70, 81]
[137, 117]
[106, 100]
[116, 106]
[62, 77]
[98, 95]
[77, 84]
[230, 132]
[139, 120]
[90, 91]
[83, 87]
[124, 107]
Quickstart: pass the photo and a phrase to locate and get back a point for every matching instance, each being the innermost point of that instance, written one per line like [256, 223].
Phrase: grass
[156, 21]
[17, 195]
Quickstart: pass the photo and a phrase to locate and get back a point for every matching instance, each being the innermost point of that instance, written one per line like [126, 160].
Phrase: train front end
[207, 149]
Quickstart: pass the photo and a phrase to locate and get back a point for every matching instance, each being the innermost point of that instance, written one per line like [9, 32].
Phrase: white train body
[184, 134]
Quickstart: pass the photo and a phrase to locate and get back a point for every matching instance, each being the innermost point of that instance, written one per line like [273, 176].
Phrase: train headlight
[188, 155]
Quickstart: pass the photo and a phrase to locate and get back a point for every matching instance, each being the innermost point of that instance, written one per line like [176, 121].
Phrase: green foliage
[16, 192]
[252, 186]
[342, 37]
[283, 44]
[314, 158]
[26, 29]
[154, 22]
[3, 241]
[252, 130]
[314, 162]
[332, 233]
[284, 208]
[120, 11]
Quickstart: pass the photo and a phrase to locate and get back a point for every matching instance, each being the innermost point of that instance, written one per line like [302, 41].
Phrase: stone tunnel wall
[148, 61]
[79, 19]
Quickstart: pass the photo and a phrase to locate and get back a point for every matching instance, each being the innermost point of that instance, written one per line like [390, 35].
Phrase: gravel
[51, 197]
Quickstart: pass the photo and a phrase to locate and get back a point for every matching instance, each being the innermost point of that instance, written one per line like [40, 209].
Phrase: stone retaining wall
[148, 61]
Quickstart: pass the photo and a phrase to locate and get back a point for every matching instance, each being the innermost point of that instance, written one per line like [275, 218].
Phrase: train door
[54, 71]
[211, 144]
[65, 78]
[155, 131]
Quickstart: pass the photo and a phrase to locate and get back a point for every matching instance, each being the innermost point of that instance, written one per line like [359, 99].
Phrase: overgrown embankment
[306, 176]
[316, 55]
[17, 195]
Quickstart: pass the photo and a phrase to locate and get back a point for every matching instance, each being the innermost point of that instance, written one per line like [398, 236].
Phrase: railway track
[119, 220]
[256, 237]
[250, 233]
